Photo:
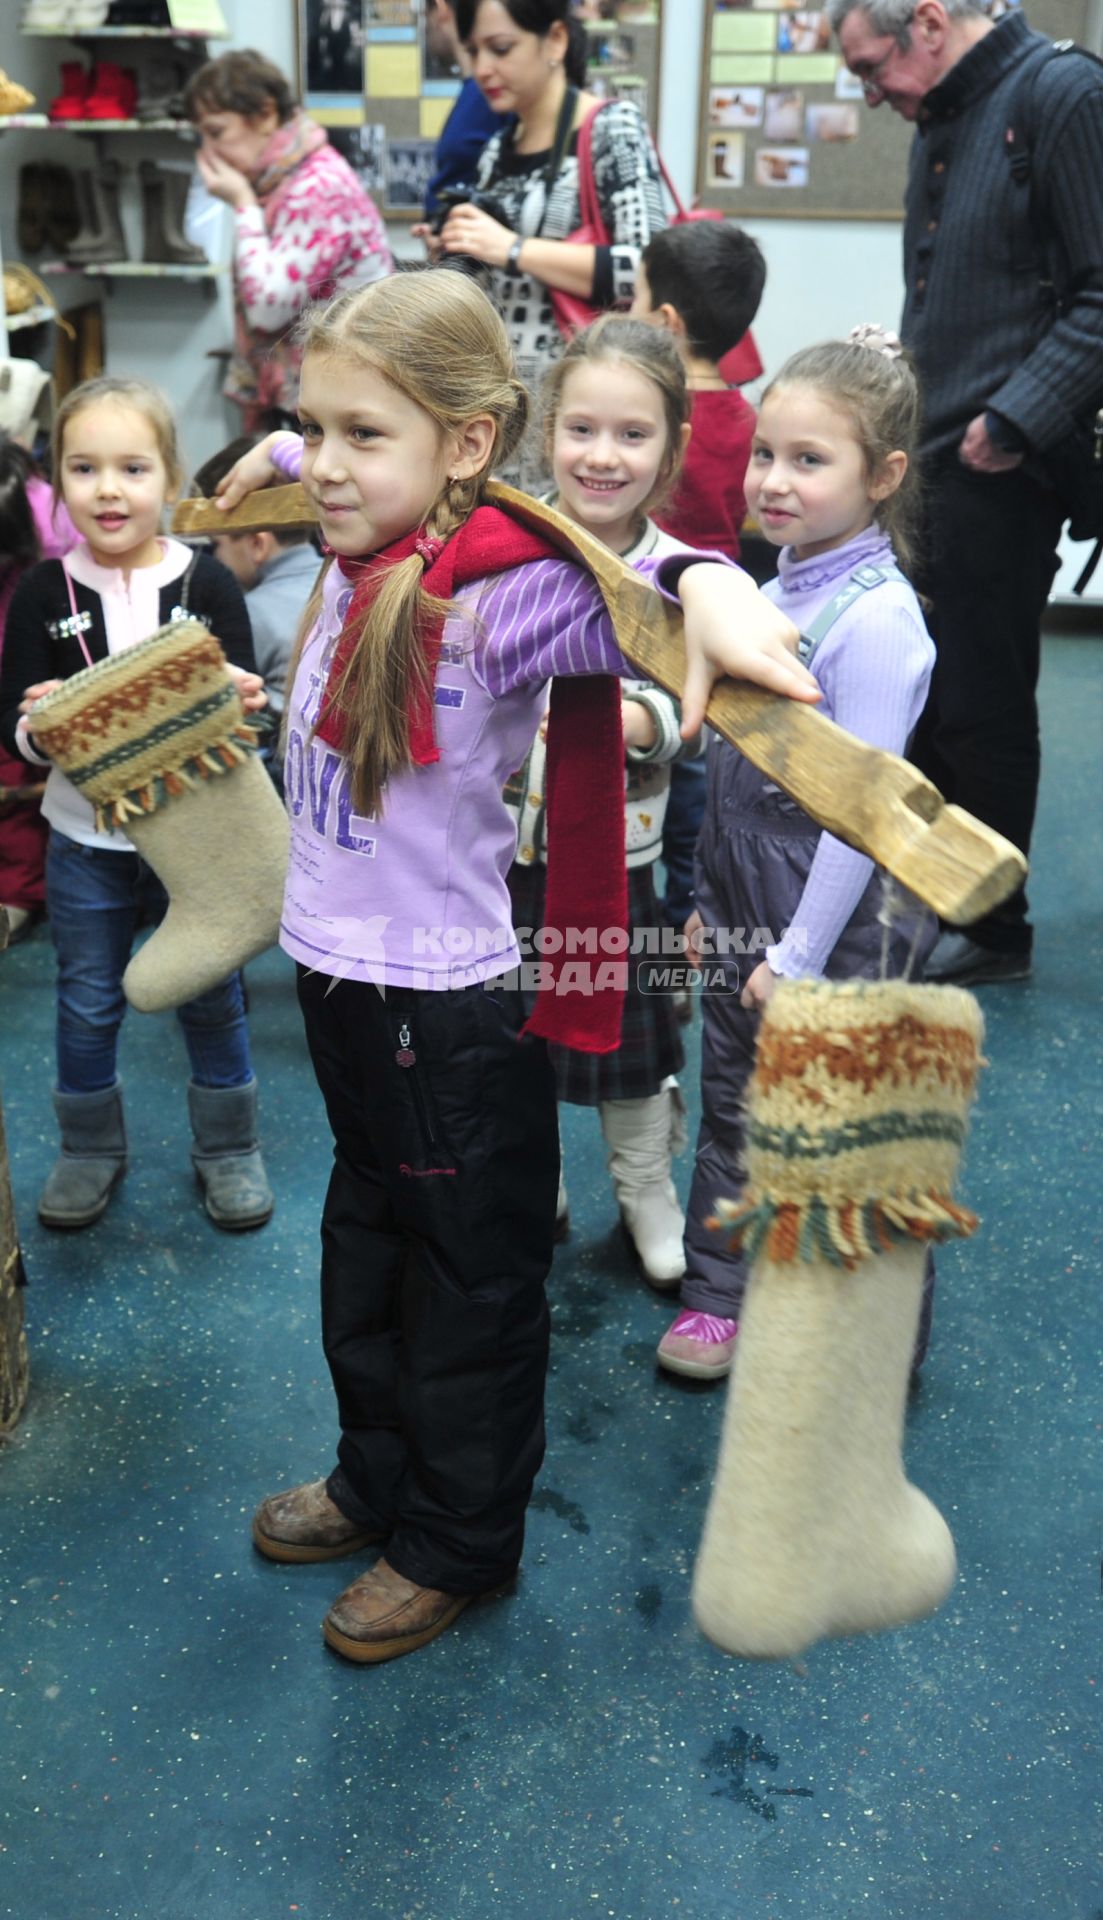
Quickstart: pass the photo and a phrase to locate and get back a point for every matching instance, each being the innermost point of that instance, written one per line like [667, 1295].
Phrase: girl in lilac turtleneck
[830, 483]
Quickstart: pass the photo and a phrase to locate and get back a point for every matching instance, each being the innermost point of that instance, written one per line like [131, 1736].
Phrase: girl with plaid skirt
[615, 429]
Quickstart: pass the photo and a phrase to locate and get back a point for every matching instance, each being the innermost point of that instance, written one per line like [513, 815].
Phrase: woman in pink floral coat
[304, 228]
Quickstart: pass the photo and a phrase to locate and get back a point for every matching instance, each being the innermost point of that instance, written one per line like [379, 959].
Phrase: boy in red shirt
[703, 281]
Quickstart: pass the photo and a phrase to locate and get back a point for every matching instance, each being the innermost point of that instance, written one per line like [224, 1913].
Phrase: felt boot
[44, 16]
[113, 93]
[226, 1156]
[857, 1113]
[69, 103]
[108, 241]
[155, 738]
[163, 238]
[92, 1158]
[642, 1136]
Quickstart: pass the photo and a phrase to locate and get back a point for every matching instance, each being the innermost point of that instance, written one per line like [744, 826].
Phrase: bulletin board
[369, 75]
[784, 128]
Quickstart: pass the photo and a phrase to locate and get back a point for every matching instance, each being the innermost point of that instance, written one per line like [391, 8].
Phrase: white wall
[824, 275]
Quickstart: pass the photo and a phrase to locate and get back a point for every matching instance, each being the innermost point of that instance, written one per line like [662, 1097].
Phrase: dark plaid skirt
[651, 1039]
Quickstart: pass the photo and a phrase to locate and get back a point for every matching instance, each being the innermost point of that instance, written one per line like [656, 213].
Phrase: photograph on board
[331, 47]
[736, 107]
[781, 167]
[725, 160]
[783, 114]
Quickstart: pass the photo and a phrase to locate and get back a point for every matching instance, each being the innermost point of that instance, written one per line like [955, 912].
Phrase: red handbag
[572, 310]
[741, 362]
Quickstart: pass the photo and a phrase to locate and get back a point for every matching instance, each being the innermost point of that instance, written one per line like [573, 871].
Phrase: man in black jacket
[1008, 372]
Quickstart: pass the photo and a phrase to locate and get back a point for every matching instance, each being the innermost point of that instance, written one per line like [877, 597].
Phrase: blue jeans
[95, 900]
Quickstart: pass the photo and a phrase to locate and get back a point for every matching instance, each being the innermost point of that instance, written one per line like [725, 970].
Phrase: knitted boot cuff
[144, 725]
[858, 1108]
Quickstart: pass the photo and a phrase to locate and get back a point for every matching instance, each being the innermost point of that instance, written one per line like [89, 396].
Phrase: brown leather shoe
[383, 1615]
[303, 1525]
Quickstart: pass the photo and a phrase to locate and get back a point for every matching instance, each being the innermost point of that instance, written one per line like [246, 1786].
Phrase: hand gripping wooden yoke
[871, 799]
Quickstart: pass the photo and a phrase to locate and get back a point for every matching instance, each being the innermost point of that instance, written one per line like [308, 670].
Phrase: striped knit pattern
[973, 314]
[144, 725]
[857, 1116]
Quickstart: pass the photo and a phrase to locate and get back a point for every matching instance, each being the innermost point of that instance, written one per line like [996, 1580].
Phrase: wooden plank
[873, 800]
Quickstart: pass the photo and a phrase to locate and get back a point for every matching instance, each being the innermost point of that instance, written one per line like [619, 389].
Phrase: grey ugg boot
[226, 1156]
[92, 1158]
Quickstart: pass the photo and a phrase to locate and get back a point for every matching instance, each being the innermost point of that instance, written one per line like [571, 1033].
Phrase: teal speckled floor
[174, 1739]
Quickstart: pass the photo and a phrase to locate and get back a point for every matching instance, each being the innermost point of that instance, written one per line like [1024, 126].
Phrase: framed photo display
[784, 128]
[381, 84]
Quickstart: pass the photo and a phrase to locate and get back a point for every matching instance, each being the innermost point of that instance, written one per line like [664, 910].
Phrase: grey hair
[895, 16]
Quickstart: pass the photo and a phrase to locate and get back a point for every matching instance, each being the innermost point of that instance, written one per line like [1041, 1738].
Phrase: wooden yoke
[871, 799]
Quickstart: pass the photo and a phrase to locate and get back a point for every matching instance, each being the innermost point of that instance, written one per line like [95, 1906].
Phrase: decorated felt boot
[92, 1159]
[226, 1156]
[857, 1113]
[155, 738]
[642, 1136]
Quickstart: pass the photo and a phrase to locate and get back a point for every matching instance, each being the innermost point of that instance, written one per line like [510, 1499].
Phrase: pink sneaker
[699, 1344]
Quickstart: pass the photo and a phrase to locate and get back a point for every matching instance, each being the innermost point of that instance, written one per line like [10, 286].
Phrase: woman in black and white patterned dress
[525, 54]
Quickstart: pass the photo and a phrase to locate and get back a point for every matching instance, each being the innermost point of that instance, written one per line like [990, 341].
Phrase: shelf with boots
[134, 270]
[42, 123]
[121, 33]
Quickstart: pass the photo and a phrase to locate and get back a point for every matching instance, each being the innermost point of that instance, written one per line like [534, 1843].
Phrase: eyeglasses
[870, 79]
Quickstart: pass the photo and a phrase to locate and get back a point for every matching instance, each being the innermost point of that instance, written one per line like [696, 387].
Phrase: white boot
[642, 1136]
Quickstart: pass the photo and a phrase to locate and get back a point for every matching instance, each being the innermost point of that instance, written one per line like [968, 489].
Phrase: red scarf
[587, 882]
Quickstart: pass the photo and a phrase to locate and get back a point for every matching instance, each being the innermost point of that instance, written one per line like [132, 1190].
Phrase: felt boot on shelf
[156, 739]
[642, 1136]
[857, 1113]
[86, 15]
[107, 242]
[161, 82]
[164, 191]
[138, 13]
[49, 214]
[69, 104]
[32, 207]
[92, 1158]
[113, 93]
[47, 16]
[226, 1156]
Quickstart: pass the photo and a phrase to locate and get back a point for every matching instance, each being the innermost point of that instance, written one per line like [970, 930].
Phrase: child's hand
[251, 688]
[733, 629]
[759, 990]
[247, 475]
[38, 692]
[640, 730]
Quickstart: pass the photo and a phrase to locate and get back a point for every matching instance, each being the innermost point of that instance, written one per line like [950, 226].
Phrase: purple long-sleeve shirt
[874, 666]
[417, 896]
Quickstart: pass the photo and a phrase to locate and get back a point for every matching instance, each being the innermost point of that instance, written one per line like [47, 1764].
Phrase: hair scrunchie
[879, 339]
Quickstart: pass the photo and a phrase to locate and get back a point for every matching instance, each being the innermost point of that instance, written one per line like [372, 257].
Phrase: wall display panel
[370, 73]
[784, 128]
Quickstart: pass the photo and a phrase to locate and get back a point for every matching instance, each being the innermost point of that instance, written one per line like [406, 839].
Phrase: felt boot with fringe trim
[857, 1113]
[156, 739]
